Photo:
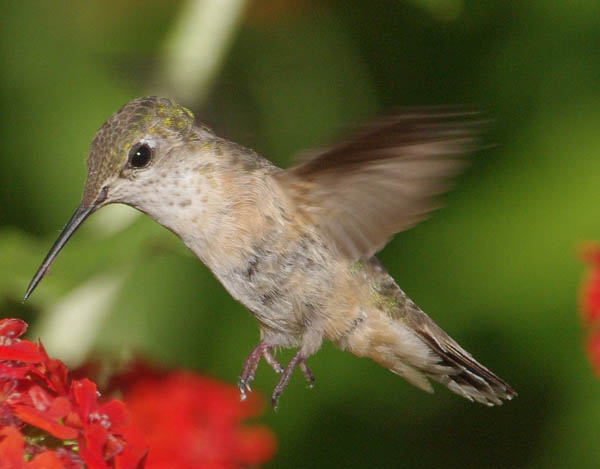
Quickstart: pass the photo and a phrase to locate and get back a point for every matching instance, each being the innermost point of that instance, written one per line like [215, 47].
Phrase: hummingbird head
[132, 140]
[129, 140]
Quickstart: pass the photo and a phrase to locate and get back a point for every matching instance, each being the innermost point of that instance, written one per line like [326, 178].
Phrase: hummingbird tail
[418, 352]
[468, 377]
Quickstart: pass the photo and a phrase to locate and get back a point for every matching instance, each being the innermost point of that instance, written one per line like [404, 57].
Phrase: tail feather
[420, 354]
[464, 386]
[397, 334]
[468, 378]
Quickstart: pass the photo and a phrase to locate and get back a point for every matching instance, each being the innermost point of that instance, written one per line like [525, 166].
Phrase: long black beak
[74, 222]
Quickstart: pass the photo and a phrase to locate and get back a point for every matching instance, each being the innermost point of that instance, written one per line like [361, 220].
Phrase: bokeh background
[497, 267]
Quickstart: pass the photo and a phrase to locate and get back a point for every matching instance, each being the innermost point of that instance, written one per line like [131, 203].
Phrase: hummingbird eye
[140, 155]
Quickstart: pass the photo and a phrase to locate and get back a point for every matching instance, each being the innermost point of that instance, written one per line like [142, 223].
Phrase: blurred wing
[382, 180]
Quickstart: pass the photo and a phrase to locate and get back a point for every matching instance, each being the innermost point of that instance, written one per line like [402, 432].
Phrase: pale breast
[284, 282]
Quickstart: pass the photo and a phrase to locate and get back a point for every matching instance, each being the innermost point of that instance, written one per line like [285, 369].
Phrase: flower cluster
[589, 305]
[191, 421]
[50, 420]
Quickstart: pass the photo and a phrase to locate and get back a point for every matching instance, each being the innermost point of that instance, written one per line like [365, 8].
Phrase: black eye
[140, 155]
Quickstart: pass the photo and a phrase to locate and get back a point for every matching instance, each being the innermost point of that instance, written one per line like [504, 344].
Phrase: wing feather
[384, 179]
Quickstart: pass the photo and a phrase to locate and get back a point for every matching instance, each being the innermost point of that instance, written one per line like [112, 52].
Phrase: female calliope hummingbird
[296, 246]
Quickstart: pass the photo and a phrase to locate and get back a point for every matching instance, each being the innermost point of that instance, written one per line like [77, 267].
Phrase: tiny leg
[277, 368]
[297, 360]
[307, 374]
[251, 364]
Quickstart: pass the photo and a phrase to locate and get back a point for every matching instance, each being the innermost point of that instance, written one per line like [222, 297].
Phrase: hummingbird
[297, 246]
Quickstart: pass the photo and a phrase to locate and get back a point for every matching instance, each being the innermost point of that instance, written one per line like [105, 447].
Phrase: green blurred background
[497, 267]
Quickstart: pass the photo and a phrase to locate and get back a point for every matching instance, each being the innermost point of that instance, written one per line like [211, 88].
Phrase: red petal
[589, 301]
[73, 419]
[189, 420]
[7, 417]
[40, 399]
[131, 458]
[52, 372]
[58, 376]
[589, 293]
[46, 460]
[59, 408]
[12, 328]
[116, 412]
[90, 447]
[255, 445]
[593, 351]
[40, 420]
[11, 448]
[14, 372]
[589, 252]
[21, 350]
[95, 436]
[86, 397]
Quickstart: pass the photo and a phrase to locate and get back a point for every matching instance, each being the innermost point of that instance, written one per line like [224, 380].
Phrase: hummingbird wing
[384, 179]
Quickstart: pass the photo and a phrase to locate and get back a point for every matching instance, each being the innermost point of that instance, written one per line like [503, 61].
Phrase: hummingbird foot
[298, 360]
[251, 364]
[310, 379]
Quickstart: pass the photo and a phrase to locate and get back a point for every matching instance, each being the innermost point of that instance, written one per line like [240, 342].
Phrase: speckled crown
[109, 148]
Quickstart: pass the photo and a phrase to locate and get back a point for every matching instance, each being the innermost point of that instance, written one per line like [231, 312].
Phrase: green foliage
[496, 268]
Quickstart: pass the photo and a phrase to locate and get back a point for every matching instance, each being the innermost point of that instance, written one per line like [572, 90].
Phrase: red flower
[190, 421]
[13, 348]
[589, 298]
[589, 304]
[593, 350]
[12, 445]
[36, 392]
[50, 420]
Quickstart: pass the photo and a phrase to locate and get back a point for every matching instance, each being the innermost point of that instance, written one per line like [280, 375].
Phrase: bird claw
[251, 364]
[242, 391]
[297, 360]
[275, 402]
[308, 376]
[277, 368]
